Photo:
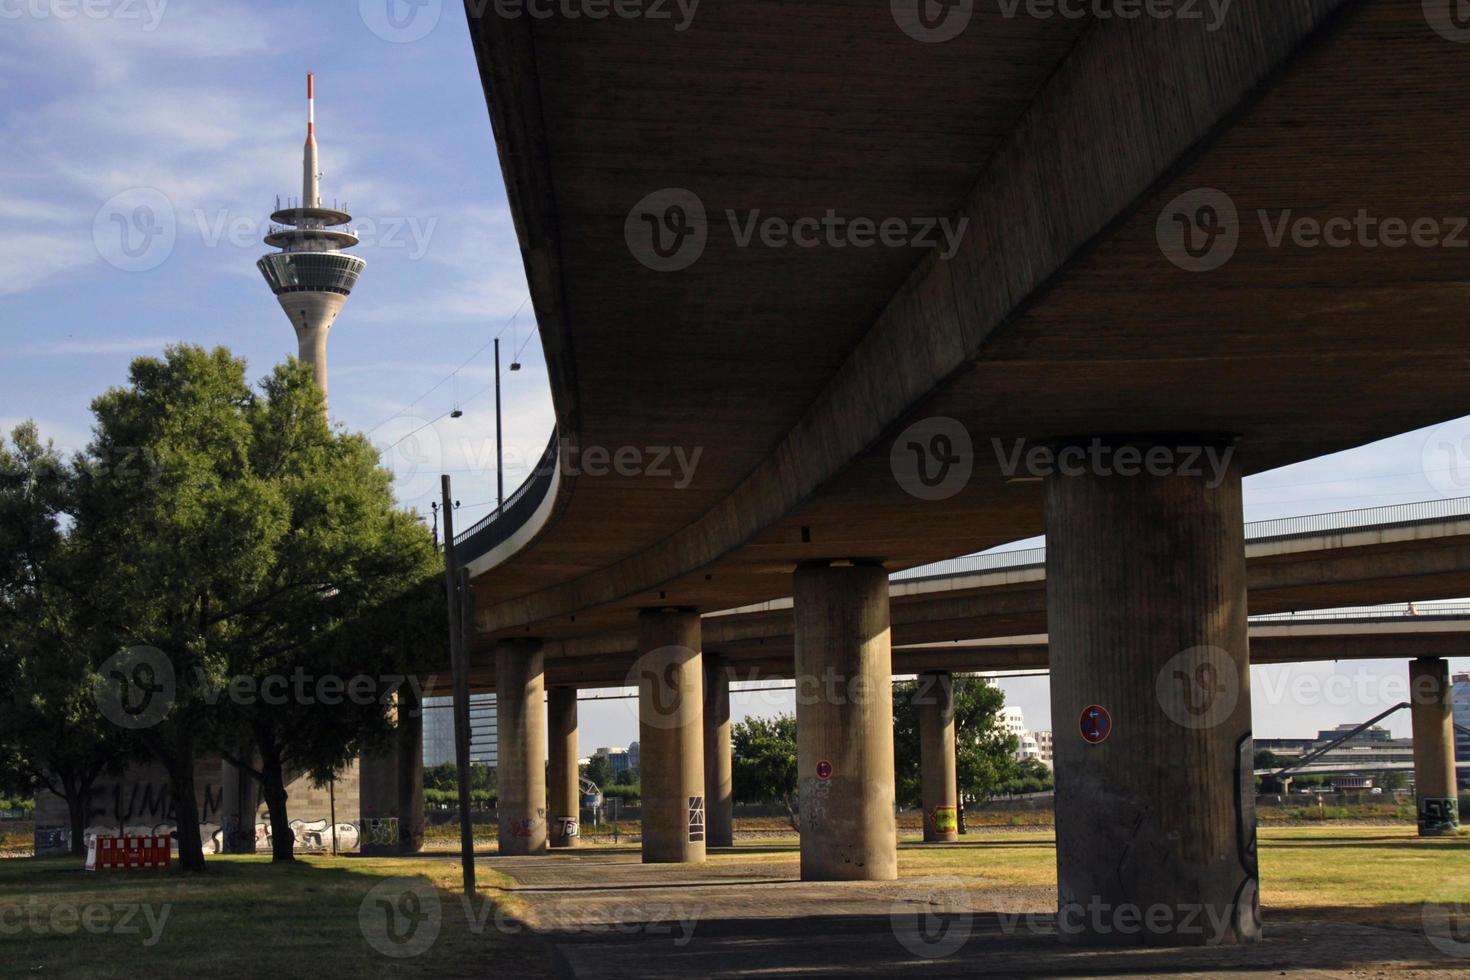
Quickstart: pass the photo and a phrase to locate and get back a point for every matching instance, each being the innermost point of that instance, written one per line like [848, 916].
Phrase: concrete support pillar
[1434, 747]
[520, 699]
[563, 775]
[671, 736]
[239, 796]
[940, 789]
[844, 724]
[410, 743]
[1150, 690]
[719, 793]
[378, 802]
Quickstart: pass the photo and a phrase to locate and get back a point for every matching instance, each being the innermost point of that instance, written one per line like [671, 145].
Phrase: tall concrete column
[940, 787]
[1150, 691]
[671, 736]
[1432, 708]
[719, 786]
[239, 796]
[378, 802]
[844, 724]
[563, 776]
[520, 701]
[410, 741]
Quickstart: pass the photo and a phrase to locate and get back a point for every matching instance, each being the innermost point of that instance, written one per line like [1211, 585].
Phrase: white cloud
[96, 345]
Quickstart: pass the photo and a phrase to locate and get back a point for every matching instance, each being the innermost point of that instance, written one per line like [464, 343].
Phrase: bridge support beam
[1434, 747]
[378, 802]
[239, 801]
[409, 736]
[671, 736]
[940, 789]
[1150, 690]
[844, 724]
[564, 777]
[520, 701]
[719, 795]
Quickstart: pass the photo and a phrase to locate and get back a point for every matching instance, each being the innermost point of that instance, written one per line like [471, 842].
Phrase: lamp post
[499, 447]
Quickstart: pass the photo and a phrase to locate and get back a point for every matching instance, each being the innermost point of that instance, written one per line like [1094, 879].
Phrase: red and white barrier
[129, 853]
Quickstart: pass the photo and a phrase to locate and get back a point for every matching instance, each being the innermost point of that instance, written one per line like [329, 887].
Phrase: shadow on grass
[962, 945]
[1376, 843]
[245, 913]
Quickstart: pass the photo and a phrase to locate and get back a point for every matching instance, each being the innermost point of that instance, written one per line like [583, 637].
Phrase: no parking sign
[1095, 724]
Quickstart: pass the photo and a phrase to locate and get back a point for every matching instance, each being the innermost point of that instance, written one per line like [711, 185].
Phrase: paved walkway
[607, 915]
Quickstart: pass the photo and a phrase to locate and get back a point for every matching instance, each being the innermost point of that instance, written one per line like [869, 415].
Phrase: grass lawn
[1374, 875]
[246, 917]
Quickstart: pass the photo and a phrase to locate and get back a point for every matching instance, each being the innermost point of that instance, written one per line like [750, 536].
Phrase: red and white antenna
[311, 196]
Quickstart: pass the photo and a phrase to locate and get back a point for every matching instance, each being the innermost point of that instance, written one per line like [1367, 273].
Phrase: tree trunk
[77, 794]
[186, 804]
[273, 788]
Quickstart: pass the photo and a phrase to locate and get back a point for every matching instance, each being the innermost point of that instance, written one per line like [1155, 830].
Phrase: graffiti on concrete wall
[1439, 814]
[696, 819]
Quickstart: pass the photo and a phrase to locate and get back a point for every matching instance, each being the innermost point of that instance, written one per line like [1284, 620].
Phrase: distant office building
[439, 730]
[1373, 747]
[1029, 745]
[1372, 735]
[1043, 745]
[633, 754]
[1026, 747]
[619, 759]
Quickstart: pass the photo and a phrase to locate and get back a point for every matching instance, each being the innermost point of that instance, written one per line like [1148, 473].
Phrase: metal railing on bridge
[491, 530]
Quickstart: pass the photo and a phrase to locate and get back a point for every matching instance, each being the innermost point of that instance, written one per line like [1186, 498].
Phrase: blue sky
[195, 110]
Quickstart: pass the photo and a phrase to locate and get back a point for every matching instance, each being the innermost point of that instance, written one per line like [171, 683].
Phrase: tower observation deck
[311, 275]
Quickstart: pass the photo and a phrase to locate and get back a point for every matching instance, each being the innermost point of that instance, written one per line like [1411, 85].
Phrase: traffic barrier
[129, 853]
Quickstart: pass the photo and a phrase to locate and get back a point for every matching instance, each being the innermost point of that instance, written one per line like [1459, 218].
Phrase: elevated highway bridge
[1128, 286]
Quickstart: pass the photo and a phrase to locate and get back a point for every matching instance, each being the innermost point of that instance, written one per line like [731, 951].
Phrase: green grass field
[248, 918]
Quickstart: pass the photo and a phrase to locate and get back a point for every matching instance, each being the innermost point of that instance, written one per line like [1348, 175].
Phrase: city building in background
[439, 730]
[1029, 744]
[619, 759]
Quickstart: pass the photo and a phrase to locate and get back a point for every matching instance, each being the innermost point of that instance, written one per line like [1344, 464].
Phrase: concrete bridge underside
[794, 373]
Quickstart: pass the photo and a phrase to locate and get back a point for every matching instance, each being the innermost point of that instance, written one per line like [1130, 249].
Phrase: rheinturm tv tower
[310, 275]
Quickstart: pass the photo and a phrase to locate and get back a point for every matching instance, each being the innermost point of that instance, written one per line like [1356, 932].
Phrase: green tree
[351, 605]
[764, 762]
[259, 542]
[52, 733]
[984, 753]
[599, 770]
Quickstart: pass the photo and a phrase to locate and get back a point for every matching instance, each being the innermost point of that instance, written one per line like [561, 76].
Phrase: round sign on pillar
[824, 770]
[1095, 724]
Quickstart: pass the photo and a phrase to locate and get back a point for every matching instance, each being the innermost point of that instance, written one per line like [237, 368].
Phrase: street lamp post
[499, 449]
